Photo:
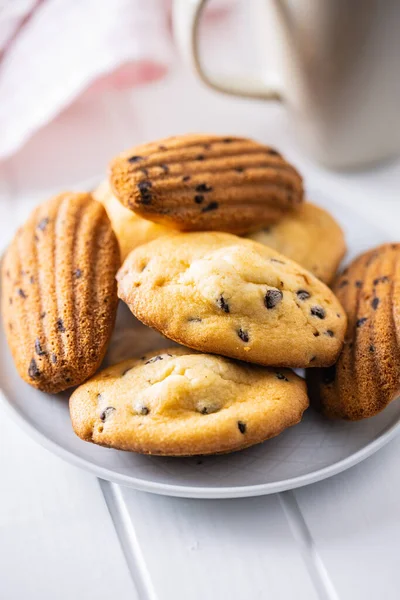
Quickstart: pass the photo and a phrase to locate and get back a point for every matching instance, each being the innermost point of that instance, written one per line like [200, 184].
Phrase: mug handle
[185, 20]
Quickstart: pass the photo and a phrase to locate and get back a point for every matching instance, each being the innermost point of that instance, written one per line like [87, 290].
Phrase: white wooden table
[64, 534]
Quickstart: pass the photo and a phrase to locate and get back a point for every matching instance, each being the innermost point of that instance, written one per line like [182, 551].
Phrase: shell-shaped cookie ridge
[59, 292]
[206, 182]
[367, 375]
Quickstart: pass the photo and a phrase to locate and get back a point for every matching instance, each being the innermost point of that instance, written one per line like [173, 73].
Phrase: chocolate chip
[155, 359]
[222, 303]
[10, 300]
[281, 376]
[276, 260]
[243, 335]
[21, 293]
[361, 321]
[316, 333]
[358, 283]
[272, 298]
[206, 146]
[161, 147]
[42, 315]
[312, 358]
[343, 283]
[43, 223]
[135, 159]
[383, 279]
[200, 157]
[144, 189]
[165, 168]
[38, 348]
[239, 169]
[328, 375]
[186, 178]
[78, 273]
[194, 320]
[318, 311]
[329, 332]
[273, 152]
[106, 413]
[210, 206]
[60, 325]
[203, 187]
[33, 370]
[53, 358]
[372, 348]
[227, 140]
[198, 198]
[241, 426]
[144, 171]
[141, 409]
[303, 294]
[375, 303]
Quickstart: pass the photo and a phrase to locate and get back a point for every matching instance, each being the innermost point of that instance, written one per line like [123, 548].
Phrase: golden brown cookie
[367, 375]
[130, 229]
[59, 292]
[311, 237]
[207, 182]
[177, 402]
[219, 293]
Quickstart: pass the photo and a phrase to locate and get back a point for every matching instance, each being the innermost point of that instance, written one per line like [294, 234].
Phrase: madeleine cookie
[130, 229]
[207, 182]
[311, 237]
[367, 375]
[181, 403]
[216, 292]
[59, 295]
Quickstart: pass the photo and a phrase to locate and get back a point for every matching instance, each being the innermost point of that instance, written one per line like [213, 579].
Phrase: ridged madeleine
[207, 182]
[59, 291]
[366, 377]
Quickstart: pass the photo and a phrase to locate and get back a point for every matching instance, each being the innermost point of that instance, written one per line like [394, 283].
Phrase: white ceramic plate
[311, 451]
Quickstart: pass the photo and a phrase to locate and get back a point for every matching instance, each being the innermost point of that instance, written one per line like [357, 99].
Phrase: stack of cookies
[208, 229]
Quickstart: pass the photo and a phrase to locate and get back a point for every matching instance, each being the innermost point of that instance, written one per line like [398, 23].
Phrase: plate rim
[189, 491]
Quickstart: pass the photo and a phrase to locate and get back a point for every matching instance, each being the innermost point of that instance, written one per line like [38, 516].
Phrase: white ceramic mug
[341, 73]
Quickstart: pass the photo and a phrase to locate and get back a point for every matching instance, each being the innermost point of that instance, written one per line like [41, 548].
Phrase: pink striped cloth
[51, 51]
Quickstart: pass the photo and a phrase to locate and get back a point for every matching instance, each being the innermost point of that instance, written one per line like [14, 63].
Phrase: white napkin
[54, 50]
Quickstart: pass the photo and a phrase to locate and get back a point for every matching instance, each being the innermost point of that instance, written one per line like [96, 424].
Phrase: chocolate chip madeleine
[177, 402]
[367, 375]
[207, 182]
[219, 293]
[59, 292]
